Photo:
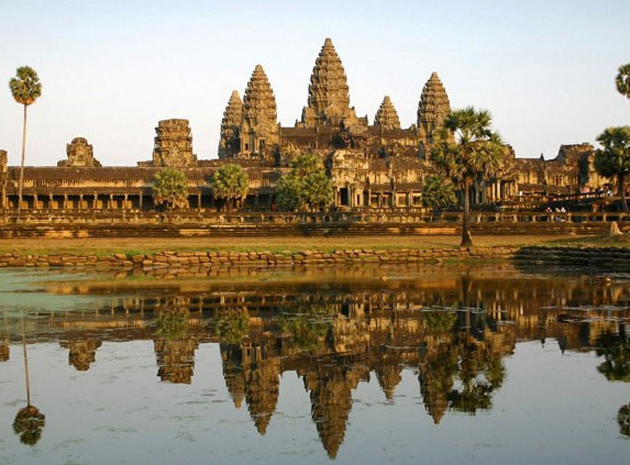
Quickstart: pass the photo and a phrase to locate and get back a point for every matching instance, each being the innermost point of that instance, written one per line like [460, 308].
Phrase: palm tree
[26, 88]
[466, 151]
[623, 80]
[613, 160]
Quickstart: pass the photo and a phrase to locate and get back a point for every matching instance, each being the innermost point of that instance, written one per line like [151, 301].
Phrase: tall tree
[623, 80]
[26, 88]
[306, 185]
[467, 150]
[171, 188]
[231, 183]
[613, 159]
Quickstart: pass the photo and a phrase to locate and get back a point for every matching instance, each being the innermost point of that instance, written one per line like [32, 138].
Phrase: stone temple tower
[260, 129]
[386, 116]
[230, 142]
[328, 92]
[432, 109]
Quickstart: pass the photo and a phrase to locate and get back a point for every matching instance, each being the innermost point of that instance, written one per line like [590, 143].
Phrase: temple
[375, 166]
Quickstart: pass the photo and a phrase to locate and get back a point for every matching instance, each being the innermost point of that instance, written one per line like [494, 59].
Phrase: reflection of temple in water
[452, 332]
[81, 353]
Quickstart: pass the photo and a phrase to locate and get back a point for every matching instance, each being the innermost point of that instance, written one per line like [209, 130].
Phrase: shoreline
[617, 258]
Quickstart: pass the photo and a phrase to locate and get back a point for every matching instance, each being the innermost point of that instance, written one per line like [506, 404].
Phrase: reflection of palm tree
[29, 421]
[623, 418]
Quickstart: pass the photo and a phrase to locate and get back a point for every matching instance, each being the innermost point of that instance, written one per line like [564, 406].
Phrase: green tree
[26, 88]
[623, 80]
[438, 192]
[613, 160]
[171, 188]
[466, 151]
[230, 182]
[306, 186]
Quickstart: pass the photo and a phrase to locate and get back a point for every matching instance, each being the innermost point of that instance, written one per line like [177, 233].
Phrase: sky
[111, 70]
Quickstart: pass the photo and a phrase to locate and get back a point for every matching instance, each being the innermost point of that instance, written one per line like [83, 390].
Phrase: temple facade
[378, 165]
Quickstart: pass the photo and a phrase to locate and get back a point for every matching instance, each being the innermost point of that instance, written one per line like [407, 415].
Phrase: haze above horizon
[111, 70]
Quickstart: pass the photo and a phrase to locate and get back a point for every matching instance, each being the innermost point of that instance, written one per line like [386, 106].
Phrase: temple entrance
[343, 196]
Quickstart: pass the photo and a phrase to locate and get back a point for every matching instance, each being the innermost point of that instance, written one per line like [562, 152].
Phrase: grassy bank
[130, 246]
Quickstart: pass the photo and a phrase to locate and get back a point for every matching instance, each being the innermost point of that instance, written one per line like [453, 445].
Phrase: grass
[131, 246]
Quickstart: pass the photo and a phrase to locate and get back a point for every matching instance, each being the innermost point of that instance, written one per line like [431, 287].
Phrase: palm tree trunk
[466, 239]
[21, 181]
[622, 194]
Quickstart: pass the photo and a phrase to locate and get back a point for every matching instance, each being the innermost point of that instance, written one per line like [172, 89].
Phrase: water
[396, 365]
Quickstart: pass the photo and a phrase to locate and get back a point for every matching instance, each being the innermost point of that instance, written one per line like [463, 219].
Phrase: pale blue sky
[112, 69]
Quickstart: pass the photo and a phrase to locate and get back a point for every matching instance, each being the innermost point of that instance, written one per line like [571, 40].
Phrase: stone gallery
[379, 165]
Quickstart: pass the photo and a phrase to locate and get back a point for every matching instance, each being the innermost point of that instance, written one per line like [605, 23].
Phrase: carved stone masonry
[433, 108]
[260, 117]
[230, 143]
[80, 154]
[328, 92]
[387, 116]
[173, 144]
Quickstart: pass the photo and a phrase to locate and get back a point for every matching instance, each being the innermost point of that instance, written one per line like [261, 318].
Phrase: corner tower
[328, 92]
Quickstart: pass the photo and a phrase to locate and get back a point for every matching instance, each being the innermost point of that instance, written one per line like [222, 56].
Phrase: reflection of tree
[174, 349]
[308, 325]
[477, 365]
[29, 421]
[440, 321]
[615, 348]
[623, 418]
[171, 323]
[232, 325]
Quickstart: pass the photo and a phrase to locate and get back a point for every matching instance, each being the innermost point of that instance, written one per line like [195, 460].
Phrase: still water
[365, 365]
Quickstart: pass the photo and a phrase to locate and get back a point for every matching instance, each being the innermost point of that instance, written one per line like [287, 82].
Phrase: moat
[404, 364]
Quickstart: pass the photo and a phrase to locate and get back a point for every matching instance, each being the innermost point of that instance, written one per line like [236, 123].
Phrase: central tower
[328, 92]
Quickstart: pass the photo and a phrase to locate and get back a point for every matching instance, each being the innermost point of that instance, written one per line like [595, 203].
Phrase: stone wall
[199, 260]
[214, 263]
